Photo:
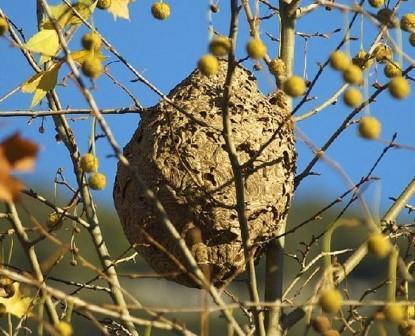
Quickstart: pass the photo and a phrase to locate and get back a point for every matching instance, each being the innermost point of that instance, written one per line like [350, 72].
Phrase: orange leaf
[20, 153]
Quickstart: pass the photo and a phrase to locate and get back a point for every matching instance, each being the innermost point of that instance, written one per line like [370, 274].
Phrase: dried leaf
[20, 153]
[18, 304]
[45, 42]
[119, 8]
[10, 188]
[41, 83]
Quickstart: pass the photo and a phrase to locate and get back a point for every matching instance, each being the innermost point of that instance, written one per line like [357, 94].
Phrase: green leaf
[41, 83]
[45, 42]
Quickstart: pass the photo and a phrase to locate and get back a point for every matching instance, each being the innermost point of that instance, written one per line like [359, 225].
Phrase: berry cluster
[89, 164]
[92, 65]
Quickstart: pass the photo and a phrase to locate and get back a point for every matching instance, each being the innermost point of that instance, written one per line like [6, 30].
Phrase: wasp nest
[184, 161]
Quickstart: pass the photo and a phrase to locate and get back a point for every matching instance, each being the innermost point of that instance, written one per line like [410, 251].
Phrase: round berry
[97, 181]
[353, 75]
[89, 163]
[54, 219]
[104, 4]
[376, 3]
[331, 300]
[394, 312]
[220, 46]
[369, 128]
[362, 59]
[160, 10]
[379, 245]
[412, 39]
[4, 26]
[208, 65]
[387, 17]
[339, 60]
[353, 97]
[321, 323]
[256, 49]
[64, 328]
[331, 332]
[408, 22]
[214, 8]
[92, 67]
[294, 86]
[392, 69]
[399, 87]
[382, 53]
[277, 67]
[91, 41]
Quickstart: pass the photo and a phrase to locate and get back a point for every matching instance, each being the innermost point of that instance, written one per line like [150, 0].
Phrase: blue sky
[166, 52]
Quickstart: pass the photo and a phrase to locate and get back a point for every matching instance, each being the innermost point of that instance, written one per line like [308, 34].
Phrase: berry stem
[393, 264]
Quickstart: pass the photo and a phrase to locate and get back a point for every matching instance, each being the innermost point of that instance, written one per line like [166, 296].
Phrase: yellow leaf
[61, 13]
[17, 305]
[119, 8]
[45, 42]
[81, 55]
[84, 9]
[41, 83]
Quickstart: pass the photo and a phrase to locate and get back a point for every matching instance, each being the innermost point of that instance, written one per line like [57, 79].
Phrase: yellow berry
[321, 323]
[294, 86]
[331, 300]
[376, 3]
[399, 87]
[256, 49]
[277, 67]
[339, 60]
[394, 312]
[89, 163]
[369, 128]
[97, 181]
[64, 328]
[412, 39]
[208, 65]
[408, 22]
[353, 75]
[53, 219]
[91, 41]
[92, 67]
[362, 59]
[160, 10]
[392, 69]
[4, 26]
[387, 17]
[382, 53]
[352, 97]
[379, 245]
[220, 46]
[331, 332]
[104, 4]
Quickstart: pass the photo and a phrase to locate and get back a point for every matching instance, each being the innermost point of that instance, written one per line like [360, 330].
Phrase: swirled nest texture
[185, 162]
